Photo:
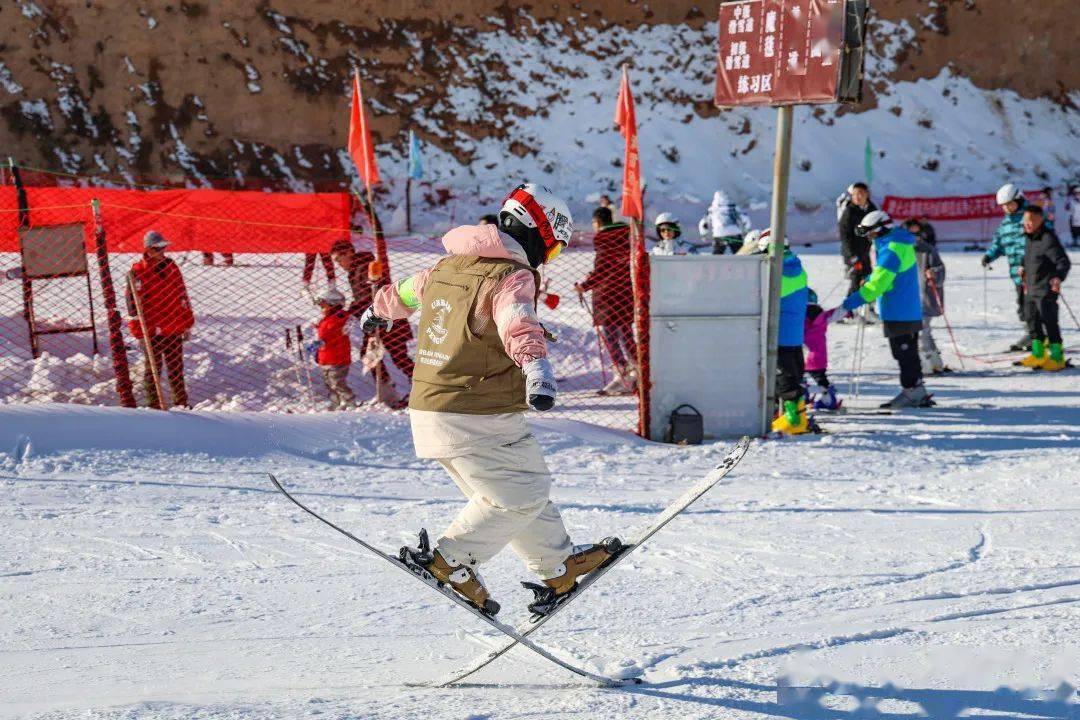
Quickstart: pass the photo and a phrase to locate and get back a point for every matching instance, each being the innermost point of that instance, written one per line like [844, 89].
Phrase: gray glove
[539, 384]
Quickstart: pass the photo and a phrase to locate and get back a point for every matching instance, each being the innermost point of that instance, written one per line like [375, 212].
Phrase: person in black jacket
[1045, 267]
[855, 249]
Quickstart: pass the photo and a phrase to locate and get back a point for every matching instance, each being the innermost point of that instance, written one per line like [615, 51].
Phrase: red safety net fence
[227, 311]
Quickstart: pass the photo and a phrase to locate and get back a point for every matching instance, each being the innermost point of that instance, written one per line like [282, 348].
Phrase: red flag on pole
[361, 149]
[627, 122]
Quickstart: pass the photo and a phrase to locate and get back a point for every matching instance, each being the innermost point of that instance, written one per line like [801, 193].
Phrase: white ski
[526, 628]
[445, 591]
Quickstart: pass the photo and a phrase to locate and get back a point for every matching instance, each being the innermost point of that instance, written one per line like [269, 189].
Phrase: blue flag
[416, 163]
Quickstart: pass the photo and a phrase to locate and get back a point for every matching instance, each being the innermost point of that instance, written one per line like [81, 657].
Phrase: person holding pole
[160, 316]
[1009, 241]
[1044, 269]
[932, 291]
[895, 285]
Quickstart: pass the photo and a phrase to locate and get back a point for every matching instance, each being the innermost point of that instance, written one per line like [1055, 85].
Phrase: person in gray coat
[932, 289]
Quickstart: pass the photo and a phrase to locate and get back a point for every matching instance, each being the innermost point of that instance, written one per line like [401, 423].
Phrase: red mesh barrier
[228, 312]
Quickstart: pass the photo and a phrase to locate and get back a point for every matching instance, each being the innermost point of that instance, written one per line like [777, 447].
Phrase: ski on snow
[444, 590]
[527, 627]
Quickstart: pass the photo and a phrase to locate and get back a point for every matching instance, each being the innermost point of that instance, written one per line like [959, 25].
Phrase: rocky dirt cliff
[197, 91]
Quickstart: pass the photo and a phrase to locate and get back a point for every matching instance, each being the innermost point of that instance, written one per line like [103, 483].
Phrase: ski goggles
[552, 247]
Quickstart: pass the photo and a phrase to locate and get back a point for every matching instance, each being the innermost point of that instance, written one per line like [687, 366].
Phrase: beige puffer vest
[461, 365]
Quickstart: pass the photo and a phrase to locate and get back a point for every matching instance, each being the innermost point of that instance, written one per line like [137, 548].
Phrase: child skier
[1045, 267]
[815, 331]
[481, 362]
[932, 290]
[333, 351]
[792, 418]
[1009, 241]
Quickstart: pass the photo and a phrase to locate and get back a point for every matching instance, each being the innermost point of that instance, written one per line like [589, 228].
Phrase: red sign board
[968, 207]
[780, 52]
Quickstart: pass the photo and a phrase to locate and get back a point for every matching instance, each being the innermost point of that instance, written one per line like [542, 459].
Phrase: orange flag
[627, 122]
[361, 148]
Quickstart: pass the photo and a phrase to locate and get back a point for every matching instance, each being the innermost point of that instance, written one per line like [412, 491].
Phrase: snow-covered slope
[148, 570]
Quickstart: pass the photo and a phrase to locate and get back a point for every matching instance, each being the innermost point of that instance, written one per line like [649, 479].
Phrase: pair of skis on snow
[520, 634]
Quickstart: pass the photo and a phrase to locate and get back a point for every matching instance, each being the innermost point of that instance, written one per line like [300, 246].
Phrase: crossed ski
[520, 634]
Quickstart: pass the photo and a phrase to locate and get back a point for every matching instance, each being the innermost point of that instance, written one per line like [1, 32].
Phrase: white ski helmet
[1007, 193]
[535, 206]
[876, 221]
[764, 240]
[332, 296]
[666, 218]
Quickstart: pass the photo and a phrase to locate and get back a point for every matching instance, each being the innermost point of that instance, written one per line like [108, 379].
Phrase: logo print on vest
[437, 331]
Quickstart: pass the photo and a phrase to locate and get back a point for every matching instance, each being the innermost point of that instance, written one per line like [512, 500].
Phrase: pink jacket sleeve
[515, 317]
[388, 303]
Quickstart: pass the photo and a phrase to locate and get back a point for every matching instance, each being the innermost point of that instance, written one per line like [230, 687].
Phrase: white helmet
[332, 296]
[875, 221]
[764, 240]
[666, 218]
[1008, 193]
[536, 207]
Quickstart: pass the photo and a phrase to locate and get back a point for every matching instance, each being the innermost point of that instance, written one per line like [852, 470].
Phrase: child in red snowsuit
[333, 349]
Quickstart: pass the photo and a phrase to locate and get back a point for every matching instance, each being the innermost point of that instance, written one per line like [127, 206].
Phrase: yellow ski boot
[1055, 359]
[793, 420]
[1037, 357]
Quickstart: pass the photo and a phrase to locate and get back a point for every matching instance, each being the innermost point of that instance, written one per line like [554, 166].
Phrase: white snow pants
[509, 489]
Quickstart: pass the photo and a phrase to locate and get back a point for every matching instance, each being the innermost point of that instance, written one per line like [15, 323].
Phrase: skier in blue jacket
[895, 285]
[1009, 241]
[792, 418]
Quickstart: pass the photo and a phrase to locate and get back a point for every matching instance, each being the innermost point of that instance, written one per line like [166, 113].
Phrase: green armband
[407, 293]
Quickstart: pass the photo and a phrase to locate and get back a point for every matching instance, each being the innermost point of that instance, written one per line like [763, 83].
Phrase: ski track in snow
[158, 578]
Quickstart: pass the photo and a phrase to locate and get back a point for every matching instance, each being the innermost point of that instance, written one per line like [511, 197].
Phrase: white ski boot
[910, 397]
[581, 561]
[624, 383]
[463, 579]
[931, 362]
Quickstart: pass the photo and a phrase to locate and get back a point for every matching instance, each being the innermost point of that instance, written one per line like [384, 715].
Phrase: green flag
[868, 163]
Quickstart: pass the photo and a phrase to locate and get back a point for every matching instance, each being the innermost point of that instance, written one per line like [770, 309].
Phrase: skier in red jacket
[333, 350]
[613, 299]
[166, 315]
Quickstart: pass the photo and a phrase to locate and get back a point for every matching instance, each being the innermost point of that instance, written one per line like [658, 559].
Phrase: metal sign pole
[778, 224]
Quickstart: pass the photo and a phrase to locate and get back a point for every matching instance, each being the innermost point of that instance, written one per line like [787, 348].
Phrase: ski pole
[374, 272]
[302, 354]
[1071, 314]
[986, 317]
[862, 349]
[948, 325]
[830, 293]
[295, 358]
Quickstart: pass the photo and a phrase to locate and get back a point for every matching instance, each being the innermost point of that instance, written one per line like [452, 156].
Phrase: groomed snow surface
[149, 570]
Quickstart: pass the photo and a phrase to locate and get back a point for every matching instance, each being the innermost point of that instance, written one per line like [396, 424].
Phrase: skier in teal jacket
[1009, 242]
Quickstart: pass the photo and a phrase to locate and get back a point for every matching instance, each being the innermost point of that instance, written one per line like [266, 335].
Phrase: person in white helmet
[481, 362]
[894, 284]
[1009, 241]
[332, 349]
[667, 233]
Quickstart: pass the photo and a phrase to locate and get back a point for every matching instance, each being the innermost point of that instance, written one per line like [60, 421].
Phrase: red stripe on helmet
[536, 212]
